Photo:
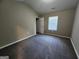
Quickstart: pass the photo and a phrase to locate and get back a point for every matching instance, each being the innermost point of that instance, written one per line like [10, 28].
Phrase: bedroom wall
[17, 21]
[65, 22]
[75, 33]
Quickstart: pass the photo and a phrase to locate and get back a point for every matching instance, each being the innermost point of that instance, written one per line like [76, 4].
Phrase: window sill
[52, 30]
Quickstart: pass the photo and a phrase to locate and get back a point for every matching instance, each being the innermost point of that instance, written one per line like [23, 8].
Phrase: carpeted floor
[41, 47]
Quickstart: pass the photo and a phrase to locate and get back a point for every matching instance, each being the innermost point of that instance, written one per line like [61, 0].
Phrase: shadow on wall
[0, 1]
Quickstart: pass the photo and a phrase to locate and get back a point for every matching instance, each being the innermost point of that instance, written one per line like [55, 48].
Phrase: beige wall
[75, 33]
[65, 24]
[17, 21]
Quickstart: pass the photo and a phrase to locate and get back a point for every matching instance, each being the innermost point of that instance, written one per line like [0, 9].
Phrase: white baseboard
[74, 48]
[57, 35]
[15, 42]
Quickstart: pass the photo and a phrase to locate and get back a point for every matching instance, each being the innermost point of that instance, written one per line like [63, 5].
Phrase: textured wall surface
[17, 21]
[75, 33]
[65, 22]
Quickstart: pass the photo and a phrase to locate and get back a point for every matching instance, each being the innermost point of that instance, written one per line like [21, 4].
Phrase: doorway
[40, 25]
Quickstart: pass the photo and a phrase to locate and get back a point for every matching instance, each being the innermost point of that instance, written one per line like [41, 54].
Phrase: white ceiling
[44, 6]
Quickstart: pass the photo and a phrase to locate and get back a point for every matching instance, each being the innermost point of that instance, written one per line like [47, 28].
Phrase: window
[53, 23]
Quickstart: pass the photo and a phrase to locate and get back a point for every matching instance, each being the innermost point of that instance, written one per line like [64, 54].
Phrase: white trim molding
[74, 48]
[57, 35]
[16, 42]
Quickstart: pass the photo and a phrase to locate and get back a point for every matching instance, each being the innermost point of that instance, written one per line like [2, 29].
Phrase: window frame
[57, 24]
